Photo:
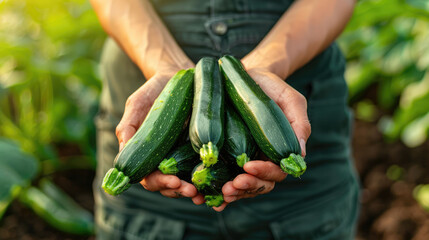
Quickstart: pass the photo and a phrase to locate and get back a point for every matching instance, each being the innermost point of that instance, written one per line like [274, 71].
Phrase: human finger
[251, 186]
[221, 207]
[292, 103]
[265, 170]
[137, 106]
[198, 199]
[158, 181]
[185, 190]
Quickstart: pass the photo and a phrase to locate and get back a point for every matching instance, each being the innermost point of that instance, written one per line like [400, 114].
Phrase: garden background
[49, 90]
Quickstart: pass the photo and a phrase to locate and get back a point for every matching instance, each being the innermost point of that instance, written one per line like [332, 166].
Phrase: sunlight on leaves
[421, 194]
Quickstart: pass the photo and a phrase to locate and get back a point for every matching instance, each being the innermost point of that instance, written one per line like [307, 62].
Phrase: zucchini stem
[214, 200]
[115, 182]
[242, 159]
[294, 165]
[168, 166]
[209, 154]
[202, 178]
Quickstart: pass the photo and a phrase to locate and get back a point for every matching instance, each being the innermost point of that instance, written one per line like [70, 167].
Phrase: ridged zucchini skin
[239, 146]
[206, 129]
[266, 121]
[180, 162]
[155, 137]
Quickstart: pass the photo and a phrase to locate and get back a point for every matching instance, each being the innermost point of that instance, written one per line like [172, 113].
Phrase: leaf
[22, 164]
[10, 184]
[366, 110]
[417, 108]
[359, 77]
[63, 200]
[420, 4]
[17, 169]
[48, 207]
[398, 58]
[416, 132]
[421, 194]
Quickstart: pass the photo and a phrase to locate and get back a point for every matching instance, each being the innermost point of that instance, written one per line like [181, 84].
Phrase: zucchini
[266, 121]
[180, 162]
[206, 126]
[239, 146]
[155, 137]
[210, 180]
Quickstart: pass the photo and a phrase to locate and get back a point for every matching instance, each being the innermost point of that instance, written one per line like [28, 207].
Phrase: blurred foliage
[421, 194]
[395, 172]
[17, 169]
[49, 92]
[49, 86]
[387, 47]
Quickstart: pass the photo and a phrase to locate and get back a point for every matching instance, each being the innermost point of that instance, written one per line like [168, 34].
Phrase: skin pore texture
[305, 30]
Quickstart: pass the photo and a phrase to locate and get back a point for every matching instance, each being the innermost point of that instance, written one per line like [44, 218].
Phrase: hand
[261, 176]
[171, 186]
[292, 103]
[136, 109]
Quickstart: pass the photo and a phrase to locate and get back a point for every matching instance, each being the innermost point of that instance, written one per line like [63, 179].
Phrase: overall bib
[322, 204]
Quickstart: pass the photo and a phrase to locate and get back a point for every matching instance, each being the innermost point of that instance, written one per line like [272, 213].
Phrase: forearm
[137, 28]
[305, 30]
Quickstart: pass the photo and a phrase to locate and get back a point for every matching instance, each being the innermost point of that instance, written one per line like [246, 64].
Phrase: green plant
[49, 89]
[386, 46]
[17, 170]
[421, 194]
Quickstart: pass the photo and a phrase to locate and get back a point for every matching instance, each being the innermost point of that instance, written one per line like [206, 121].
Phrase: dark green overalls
[323, 204]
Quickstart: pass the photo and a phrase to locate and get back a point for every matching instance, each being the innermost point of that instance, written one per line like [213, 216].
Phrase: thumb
[294, 106]
[136, 108]
[292, 103]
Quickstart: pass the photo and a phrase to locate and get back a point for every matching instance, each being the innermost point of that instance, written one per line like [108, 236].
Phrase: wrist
[272, 59]
[165, 67]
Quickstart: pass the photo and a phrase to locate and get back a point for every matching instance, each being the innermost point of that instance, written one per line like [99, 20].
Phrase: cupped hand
[261, 176]
[171, 186]
[136, 108]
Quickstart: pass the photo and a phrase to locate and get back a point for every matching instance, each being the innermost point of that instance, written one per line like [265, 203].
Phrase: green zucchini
[239, 146]
[210, 180]
[206, 126]
[180, 162]
[155, 137]
[266, 121]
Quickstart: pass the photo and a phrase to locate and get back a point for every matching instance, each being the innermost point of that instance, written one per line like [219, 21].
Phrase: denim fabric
[322, 204]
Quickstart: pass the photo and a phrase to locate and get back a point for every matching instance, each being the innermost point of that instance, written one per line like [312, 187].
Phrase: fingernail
[302, 145]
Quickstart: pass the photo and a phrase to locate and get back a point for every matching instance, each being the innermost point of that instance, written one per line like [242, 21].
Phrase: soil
[389, 211]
